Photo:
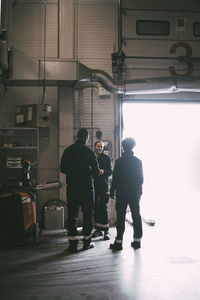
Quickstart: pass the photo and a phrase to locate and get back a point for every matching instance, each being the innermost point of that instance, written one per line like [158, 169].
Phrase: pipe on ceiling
[157, 85]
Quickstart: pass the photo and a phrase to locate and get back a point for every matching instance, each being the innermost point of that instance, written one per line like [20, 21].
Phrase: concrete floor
[166, 267]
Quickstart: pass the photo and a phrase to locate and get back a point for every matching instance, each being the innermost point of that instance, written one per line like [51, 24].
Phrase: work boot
[106, 236]
[116, 246]
[136, 245]
[73, 246]
[97, 233]
[88, 244]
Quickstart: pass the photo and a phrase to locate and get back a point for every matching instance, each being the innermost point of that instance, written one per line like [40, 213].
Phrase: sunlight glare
[168, 143]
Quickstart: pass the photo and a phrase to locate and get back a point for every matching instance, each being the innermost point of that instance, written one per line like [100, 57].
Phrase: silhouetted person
[101, 193]
[79, 164]
[127, 183]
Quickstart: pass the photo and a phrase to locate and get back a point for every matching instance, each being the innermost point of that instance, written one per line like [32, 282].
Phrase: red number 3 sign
[186, 59]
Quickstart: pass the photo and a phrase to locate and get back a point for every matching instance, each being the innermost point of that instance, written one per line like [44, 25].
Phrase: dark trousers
[101, 210]
[77, 198]
[121, 205]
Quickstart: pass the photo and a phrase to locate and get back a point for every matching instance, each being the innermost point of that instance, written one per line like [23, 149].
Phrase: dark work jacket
[127, 176]
[80, 165]
[101, 182]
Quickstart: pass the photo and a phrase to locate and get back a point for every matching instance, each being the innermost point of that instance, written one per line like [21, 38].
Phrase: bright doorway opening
[168, 143]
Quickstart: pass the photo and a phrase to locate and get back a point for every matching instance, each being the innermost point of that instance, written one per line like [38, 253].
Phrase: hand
[101, 172]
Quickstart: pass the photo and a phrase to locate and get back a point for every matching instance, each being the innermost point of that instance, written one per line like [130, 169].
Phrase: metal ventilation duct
[26, 70]
[159, 85]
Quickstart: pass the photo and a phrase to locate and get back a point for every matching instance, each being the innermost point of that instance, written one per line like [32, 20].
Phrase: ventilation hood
[26, 70]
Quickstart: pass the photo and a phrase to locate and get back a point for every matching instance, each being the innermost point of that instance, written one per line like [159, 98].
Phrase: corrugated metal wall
[97, 33]
[29, 33]
[96, 37]
[94, 112]
[95, 41]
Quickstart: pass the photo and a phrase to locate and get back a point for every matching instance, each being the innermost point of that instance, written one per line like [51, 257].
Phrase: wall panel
[48, 167]
[96, 34]
[29, 29]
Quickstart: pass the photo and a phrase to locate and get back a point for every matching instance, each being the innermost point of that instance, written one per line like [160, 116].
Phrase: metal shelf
[21, 136]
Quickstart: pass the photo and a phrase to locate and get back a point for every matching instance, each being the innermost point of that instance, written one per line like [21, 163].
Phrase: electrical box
[53, 217]
[33, 115]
